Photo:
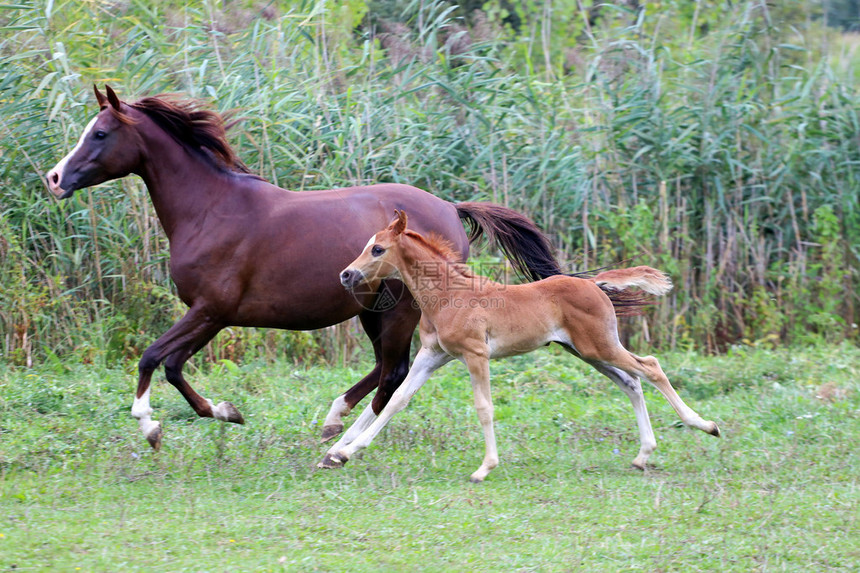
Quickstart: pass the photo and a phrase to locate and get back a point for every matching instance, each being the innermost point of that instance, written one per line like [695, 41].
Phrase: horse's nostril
[55, 177]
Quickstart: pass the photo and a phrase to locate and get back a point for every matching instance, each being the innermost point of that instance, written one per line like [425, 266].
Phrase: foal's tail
[521, 241]
[530, 253]
[648, 279]
[615, 283]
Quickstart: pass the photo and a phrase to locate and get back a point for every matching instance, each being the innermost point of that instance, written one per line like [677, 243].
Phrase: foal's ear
[100, 97]
[111, 96]
[398, 225]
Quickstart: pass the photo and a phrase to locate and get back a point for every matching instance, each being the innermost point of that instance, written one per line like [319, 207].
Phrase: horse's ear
[398, 225]
[112, 99]
[100, 97]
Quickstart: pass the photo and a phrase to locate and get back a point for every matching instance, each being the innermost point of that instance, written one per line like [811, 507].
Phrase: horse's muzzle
[54, 179]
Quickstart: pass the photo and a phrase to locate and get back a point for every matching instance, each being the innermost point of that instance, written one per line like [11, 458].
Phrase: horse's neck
[182, 185]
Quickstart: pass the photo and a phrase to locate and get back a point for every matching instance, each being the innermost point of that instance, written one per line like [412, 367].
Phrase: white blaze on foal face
[370, 265]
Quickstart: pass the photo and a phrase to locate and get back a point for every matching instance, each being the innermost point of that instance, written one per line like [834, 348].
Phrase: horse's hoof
[330, 432]
[227, 412]
[154, 438]
[474, 479]
[638, 465]
[715, 431]
[331, 462]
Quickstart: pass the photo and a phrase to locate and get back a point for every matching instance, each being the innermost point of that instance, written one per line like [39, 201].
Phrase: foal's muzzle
[351, 278]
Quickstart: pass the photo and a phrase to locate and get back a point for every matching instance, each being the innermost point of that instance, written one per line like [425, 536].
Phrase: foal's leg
[426, 362]
[633, 388]
[479, 374]
[186, 336]
[390, 332]
[648, 367]
[364, 420]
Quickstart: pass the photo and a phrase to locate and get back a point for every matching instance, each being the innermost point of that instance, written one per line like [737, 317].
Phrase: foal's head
[378, 259]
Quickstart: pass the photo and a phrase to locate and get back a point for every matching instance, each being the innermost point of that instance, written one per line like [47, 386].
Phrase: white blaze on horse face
[55, 175]
[141, 410]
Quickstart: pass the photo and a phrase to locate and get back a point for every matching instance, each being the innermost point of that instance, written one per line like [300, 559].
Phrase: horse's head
[378, 259]
[105, 150]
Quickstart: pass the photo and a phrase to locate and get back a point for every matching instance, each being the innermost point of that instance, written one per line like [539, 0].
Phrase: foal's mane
[440, 248]
[191, 124]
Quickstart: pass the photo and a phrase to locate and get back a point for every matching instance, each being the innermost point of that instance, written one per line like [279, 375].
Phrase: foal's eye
[376, 250]
[100, 135]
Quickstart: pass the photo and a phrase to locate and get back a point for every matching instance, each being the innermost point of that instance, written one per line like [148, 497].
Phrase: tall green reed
[728, 161]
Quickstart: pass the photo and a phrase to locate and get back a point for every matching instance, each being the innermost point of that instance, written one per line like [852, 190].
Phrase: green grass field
[80, 489]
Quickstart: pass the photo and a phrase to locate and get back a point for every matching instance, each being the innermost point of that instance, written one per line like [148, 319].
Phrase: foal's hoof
[330, 432]
[332, 462]
[715, 431]
[154, 438]
[227, 412]
[638, 465]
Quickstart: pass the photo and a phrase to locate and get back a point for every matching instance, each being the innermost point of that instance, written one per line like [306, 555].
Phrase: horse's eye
[376, 250]
[100, 134]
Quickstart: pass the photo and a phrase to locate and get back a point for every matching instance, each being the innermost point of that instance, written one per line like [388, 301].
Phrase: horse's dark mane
[443, 249]
[189, 123]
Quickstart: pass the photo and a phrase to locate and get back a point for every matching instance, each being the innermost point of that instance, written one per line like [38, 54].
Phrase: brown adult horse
[247, 253]
[474, 319]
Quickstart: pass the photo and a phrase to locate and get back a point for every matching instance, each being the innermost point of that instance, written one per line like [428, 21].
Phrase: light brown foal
[474, 319]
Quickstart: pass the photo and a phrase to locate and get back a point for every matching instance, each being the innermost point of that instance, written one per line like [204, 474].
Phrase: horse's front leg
[343, 404]
[175, 346]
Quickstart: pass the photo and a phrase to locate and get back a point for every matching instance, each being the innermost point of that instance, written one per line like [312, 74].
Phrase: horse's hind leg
[390, 332]
[205, 408]
[182, 339]
[633, 388]
[343, 404]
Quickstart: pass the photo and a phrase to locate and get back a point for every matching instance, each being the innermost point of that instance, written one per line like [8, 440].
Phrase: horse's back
[363, 210]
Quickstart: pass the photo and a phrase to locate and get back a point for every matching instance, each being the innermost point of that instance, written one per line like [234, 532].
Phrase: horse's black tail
[528, 249]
